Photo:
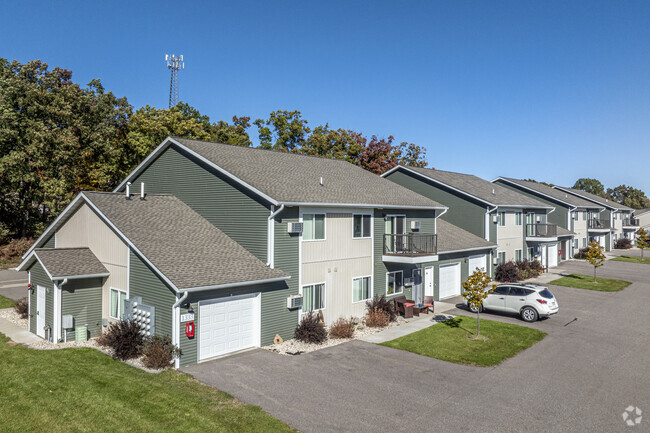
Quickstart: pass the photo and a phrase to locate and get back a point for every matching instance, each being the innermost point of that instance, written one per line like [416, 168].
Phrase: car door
[516, 299]
[496, 300]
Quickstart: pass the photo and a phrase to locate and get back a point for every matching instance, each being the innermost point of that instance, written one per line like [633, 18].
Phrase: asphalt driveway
[13, 284]
[579, 378]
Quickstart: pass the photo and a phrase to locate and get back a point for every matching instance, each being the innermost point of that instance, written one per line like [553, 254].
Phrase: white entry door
[40, 311]
[428, 281]
[552, 256]
[228, 324]
[477, 261]
[601, 240]
[449, 280]
[543, 248]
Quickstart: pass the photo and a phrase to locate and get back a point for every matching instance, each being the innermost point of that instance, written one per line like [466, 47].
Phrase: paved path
[580, 378]
[17, 334]
[13, 284]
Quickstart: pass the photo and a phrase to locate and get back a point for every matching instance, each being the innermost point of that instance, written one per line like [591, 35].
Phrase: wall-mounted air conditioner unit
[294, 301]
[294, 227]
[415, 225]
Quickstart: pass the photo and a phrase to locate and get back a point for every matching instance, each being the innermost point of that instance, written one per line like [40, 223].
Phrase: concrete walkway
[424, 321]
[18, 334]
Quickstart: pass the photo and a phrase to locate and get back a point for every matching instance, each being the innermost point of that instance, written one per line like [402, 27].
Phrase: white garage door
[552, 256]
[228, 324]
[449, 280]
[477, 262]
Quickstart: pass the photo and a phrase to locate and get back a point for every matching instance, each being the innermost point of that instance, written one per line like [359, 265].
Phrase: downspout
[270, 252]
[488, 211]
[177, 325]
[58, 329]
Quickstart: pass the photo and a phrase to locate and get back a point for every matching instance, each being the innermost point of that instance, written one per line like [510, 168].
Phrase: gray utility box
[143, 315]
[67, 321]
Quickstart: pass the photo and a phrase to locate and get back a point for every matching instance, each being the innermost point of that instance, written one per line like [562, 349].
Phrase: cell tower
[175, 64]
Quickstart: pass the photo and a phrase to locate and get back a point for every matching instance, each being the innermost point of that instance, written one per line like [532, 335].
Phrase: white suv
[530, 301]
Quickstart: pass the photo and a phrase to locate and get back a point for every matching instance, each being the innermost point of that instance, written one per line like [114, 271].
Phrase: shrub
[342, 328]
[124, 338]
[623, 244]
[22, 308]
[159, 352]
[14, 249]
[581, 254]
[507, 272]
[380, 303]
[536, 266]
[311, 329]
[377, 319]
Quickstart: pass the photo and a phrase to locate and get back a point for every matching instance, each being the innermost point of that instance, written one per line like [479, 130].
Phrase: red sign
[189, 329]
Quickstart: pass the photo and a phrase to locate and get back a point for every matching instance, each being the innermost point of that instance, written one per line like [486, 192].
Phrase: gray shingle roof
[483, 189]
[595, 198]
[179, 242]
[638, 212]
[453, 238]
[555, 193]
[70, 262]
[561, 231]
[295, 178]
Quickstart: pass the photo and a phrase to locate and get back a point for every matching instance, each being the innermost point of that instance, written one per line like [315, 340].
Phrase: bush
[342, 328]
[14, 249]
[22, 308]
[528, 269]
[507, 272]
[124, 339]
[581, 254]
[380, 303]
[536, 266]
[311, 329]
[623, 244]
[159, 352]
[377, 319]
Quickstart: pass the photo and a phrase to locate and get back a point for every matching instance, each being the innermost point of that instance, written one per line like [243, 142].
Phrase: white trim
[29, 300]
[119, 309]
[409, 260]
[78, 277]
[363, 205]
[44, 312]
[521, 254]
[469, 249]
[368, 214]
[301, 219]
[233, 285]
[371, 289]
[56, 312]
[324, 297]
[401, 284]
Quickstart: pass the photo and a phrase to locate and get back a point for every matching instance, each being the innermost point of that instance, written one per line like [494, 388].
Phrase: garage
[552, 256]
[228, 324]
[477, 261]
[449, 280]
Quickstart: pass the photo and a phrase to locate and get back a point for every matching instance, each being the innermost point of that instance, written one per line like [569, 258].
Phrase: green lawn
[587, 282]
[6, 302]
[83, 390]
[632, 259]
[448, 341]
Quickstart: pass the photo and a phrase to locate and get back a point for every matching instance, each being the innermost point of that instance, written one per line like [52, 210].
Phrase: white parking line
[11, 286]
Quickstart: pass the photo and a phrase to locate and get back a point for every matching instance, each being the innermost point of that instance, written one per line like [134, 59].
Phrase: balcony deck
[410, 248]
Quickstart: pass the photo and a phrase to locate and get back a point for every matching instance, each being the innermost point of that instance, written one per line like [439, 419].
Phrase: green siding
[275, 317]
[38, 277]
[83, 299]
[287, 250]
[236, 211]
[49, 243]
[145, 283]
[559, 216]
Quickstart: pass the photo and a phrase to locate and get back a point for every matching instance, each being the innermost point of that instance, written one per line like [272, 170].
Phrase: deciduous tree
[283, 130]
[595, 256]
[642, 241]
[629, 196]
[476, 290]
[593, 186]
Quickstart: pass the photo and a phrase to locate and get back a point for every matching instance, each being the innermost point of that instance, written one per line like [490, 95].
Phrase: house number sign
[187, 317]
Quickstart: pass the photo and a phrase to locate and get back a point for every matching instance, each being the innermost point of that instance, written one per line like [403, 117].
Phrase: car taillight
[541, 301]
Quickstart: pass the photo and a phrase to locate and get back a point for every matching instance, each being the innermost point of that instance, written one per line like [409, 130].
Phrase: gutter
[270, 250]
[488, 211]
[233, 285]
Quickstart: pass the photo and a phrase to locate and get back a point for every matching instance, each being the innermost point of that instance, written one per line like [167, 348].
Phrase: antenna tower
[174, 63]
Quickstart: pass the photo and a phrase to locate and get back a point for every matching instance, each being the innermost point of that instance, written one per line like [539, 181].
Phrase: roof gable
[550, 192]
[594, 198]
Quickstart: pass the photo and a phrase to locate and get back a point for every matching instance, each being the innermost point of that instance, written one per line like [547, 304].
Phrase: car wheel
[529, 314]
[474, 309]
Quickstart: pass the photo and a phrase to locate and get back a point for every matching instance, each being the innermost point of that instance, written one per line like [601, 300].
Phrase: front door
[543, 247]
[428, 281]
[40, 311]
[417, 286]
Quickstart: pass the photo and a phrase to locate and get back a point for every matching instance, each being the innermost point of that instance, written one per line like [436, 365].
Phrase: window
[117, 303]
[501, 257]
[615, 216]
[361, 226]
[518, 255]
[575, 244]
[576, 214]
[313, 297]
[501, 290]
[313, 227]
[502, 219]
[394, 282]
[517, 218]
[546, 294]
[517, 291]
[584, 242]
[360, 289]
[584, 215]
[530, 253]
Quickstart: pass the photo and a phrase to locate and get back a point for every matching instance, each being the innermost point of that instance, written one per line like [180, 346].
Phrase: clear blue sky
[552, 90]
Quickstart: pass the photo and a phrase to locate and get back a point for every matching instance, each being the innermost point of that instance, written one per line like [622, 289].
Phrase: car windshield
[546, 294]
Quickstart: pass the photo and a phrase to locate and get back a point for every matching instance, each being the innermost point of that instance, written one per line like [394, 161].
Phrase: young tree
[642, 241]
[476, 289]
[595, 256]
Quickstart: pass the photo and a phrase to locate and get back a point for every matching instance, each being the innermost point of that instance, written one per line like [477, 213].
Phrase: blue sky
[553, 90]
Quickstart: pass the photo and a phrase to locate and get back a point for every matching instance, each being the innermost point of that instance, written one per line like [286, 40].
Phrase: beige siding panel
[338, 244]
[511, 237]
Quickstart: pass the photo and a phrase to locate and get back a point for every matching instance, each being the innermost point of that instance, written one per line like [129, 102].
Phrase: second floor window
[502, 219]
[361, 226]
[517, 218]
[313, 227]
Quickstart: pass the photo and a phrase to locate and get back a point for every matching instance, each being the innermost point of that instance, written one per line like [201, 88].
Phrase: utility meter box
[67, 321]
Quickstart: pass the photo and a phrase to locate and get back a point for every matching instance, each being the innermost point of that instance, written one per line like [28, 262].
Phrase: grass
[632, 259]
[449, 341]
[587, 282]
[83, 390]
[6, 302]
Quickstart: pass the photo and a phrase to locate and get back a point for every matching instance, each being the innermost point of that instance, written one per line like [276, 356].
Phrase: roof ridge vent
[321, 181]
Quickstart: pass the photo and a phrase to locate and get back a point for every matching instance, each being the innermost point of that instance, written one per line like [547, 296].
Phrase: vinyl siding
[237, 212]
[83, 299]
[145, 283]
[50, 242]
[559, 216]
[38, 277]
[287, 258]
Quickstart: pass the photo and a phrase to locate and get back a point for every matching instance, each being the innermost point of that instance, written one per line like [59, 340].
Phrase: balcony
[630, 223]
[596, 225]
[541, 232]
[410, 248]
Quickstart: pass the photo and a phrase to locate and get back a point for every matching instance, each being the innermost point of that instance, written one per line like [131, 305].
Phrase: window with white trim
[584, 215]
[117, 303]
[518, 255]
[517, 218]
[394, 282]
[361, 226]
[361, 289]
[530, 253]
[501, 257]
[501, 219]
[584, 242]
[313, 226]
[313, 297]
[575, 243]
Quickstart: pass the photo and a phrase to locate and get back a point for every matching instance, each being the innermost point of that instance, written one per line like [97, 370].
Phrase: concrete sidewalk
[18, 334]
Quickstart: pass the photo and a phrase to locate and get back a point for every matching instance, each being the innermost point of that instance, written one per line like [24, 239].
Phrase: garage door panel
[477, 261]
[449, 281]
